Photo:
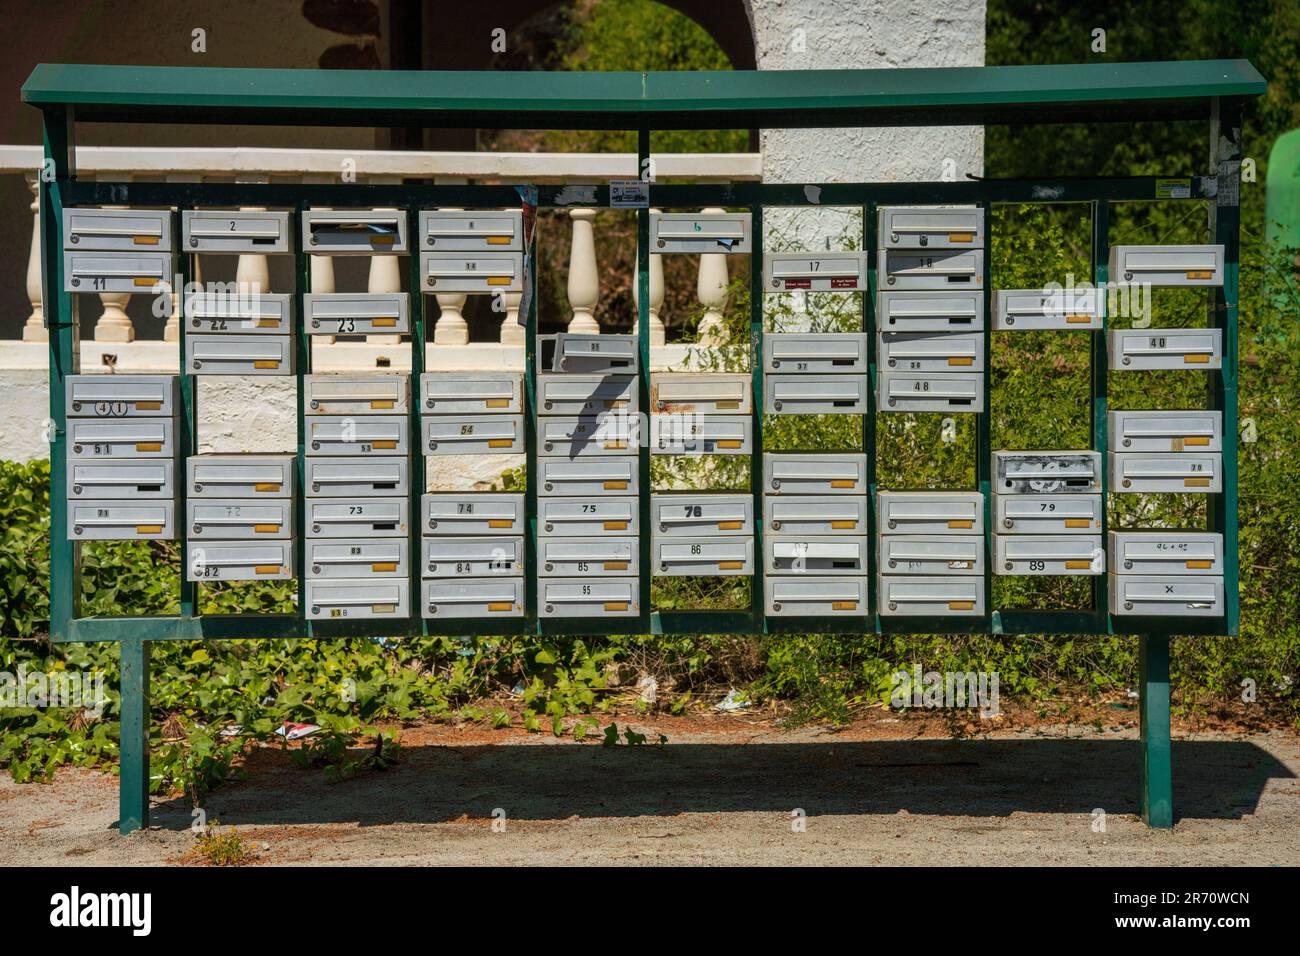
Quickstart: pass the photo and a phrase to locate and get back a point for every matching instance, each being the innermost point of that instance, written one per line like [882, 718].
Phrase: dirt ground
[725, 791]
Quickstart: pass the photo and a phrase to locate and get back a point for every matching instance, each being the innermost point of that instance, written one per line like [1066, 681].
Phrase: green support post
[1157, 769]
[644, 165]
[133, 784]
[757, 586]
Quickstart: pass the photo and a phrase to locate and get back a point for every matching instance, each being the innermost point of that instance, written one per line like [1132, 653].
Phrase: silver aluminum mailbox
[120, 396]
[1166, 552]
[587, 476]
[1137, 349]
[362, 598]
[1195, 473]
[930, 227]
[240, 476]
[483, 557]
[719, 393]
[356, 477]
[117, 230]
[354, 232]
[814, 272]
[576, 353]
[1162, 596]
[350, 394]
[930, 512]
[1200, 431]
[1018, 554]
[471, 273]
[816, 515]
[263, 313]
[814, 474]
[473, 434]
[1047, 472]
[356, 518]
[356, 313]
[581, 557]
[688, 514]
[821, 353]
[1060, 308]
[691, 232]
[805, 554]
[446, 393]
[121, 520]
[939, 595]
[694, 434]
[930, 391]
[471, 230]
[936, 554]
[472, 512]
[1047, 514]
[584, 437]
[356, 435]
[581, 517]
[809, 595]
[124, 478]
[588, 597]
[234, 519]
[703, 557]
[239, 561]
[562, 394]
[236, 231]
[931, 351]
[907, 311]
[238, 355]
[135, 272]
[815, 394]
[358, 558]
[939, 271]
[498, 596]
[121, 438]
[1167, 265]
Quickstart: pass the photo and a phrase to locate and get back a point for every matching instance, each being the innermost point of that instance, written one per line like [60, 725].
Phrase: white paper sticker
[629, 194]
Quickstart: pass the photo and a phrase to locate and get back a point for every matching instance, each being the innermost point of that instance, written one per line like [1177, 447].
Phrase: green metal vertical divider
[1099, 373]
[187, 435]
[984, 420]
[644, 167]
[302, 362]
[530, 428]
[416, 484]
[869, 326]
[757, 586]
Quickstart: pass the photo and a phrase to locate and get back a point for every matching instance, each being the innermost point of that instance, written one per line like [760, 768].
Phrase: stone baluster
[172, 330]
[322, 267]
[385, 271]
[512, 333]
[34, 328]
[711, 289]
[658, 334]
[584, 284]
[114, 325]
[451, 329]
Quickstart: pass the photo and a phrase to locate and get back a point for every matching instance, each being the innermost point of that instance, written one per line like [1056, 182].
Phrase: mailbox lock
[893, 363]
[76, 489]
[893, 401]
[548, 446]
[776, 526]
[77, 449]
[315, 608]
[1127, 360]
[1010, 566]
[315, 323]
[198, 487]
[433, 609]
[892, 525]
[549, 526]
[661, 243]
[1128, 605]
[1128, 442]
[198, 364]
[659, 404]
[1008, 522]
[776, 363]
[433, 566]
[776, 605]
[663, 565]
[551, 607]
[1011, 320]
[549, 405]
[74, 238]
[76, 281]
[893, 605]
[1128, 565]
[76, 406]
[313, 240]
[315, 529]
[315, 446]
[194, 240]
[315, 569]
[1127, 482]
[890, 280]
[893, 563]
[662, 526]
[549, 566]
[76, 529]
[776, 405]
[549, 486]
[432, 523]
[776, 283]
[432, 445]
[198, 529]
[315, 486]
[776, 482]
[1128, 275]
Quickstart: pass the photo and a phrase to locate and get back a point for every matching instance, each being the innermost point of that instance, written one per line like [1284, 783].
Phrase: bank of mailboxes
[1134, 349]
[811, 373]
[1047, 513]
[238, 313]
[930, 553]
[702, 534]
[239, 517]
[460, 413]
[117, 250]
[1166, 573]
[121, 456]
[1054, 308]
[692, 232]
[354, 232]
[236, 231]
[814, 272]
[472, 554]
[356, 313]
[1166, 451]
[1167, 265]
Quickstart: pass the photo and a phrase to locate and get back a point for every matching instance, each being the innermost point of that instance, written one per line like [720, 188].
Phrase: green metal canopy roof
[684, 100]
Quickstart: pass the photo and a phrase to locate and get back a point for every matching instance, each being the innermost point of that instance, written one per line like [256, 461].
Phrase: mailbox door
[952, 311]
[1027, 309]
[356, 477]
[127, 478]
[814, 272]
[118, 396]
[356, 313]
[574, 353]
[1198, 431]
[703, 557]
[921, 596]
[1018, 554]
[473, 434]
[120, 438]
[931, 351]
[1166, 596]
[1166, 552]
[363, 598]
[696, 232]
[1047, 472]
[357, 558]
[238, 355]
[239, 561]
[481, 557]
[813, 514]
[817, 353]
[356, 435]
[263, 313]
[930, 512]
[935, 554]
[239, 476]
[565, 437]
[236, 231]
[1047, 514]
[1167, 265]
[928, 227]
[588, 477]
[354, 232]
[498, 393]
[588, 597]
[788, 474]
[582, 558]
[1168, 472]
[696, 434]
[804, 554]
[583, 517]
[472, 513]
[234, 519]
[497, 596]
[117, 230]
[693, 515]
[704, 394]
[469, 273]
[121, 520]
[564, 394]
[938, 271]
[815, 394]
[806, 595]
[471, 230]
[1137, 349]
[134, 272]
[356, 395]
[357, 518]
[933, 392]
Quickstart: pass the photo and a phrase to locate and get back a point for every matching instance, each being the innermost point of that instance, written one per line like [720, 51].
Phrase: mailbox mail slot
[820, 353]
[1172, 471]
[943, 269]
[353, 232]
[470, 392]
[815, 515]
[117, 230]
[804, 595]
[357, 558]
[815, 394]
[561, 394]
[363, 598]
[497, 596]
[725, 232]
[587, 476]
[238, 355]
[462, 272]
[1047, 472]
[473, 435]
[120, 438]
[466, 513]
[1061, 308]
[356, 394]
[720, 394]
[574, 353]
[930, 311]
[467, 230]
[1132, 349]
[577, 557]
[1197, 431]
[488, 556]
[1167, 265]
[261, 313]
[814, 272]
[814, 474]
[129, 478]
[1047, 514]
[233, 519]
[235, 231]
[703, 557]
[802, 554]
[1166, 552]
[932, 554]
[239, 561]
[120, 520]
[359, 435]
[358, 518]
[356, 313]
[585, 597]
[239, 476]
[693, 515]
[581, 517]
[930, 512]
[932, 351]
[611, 434]
[931, 392]
[356, 477]
[137, 272]
[1019, 554]
[1166, 596]
[945, 596]
[693, 434]
[922, 227]
[119, 396]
